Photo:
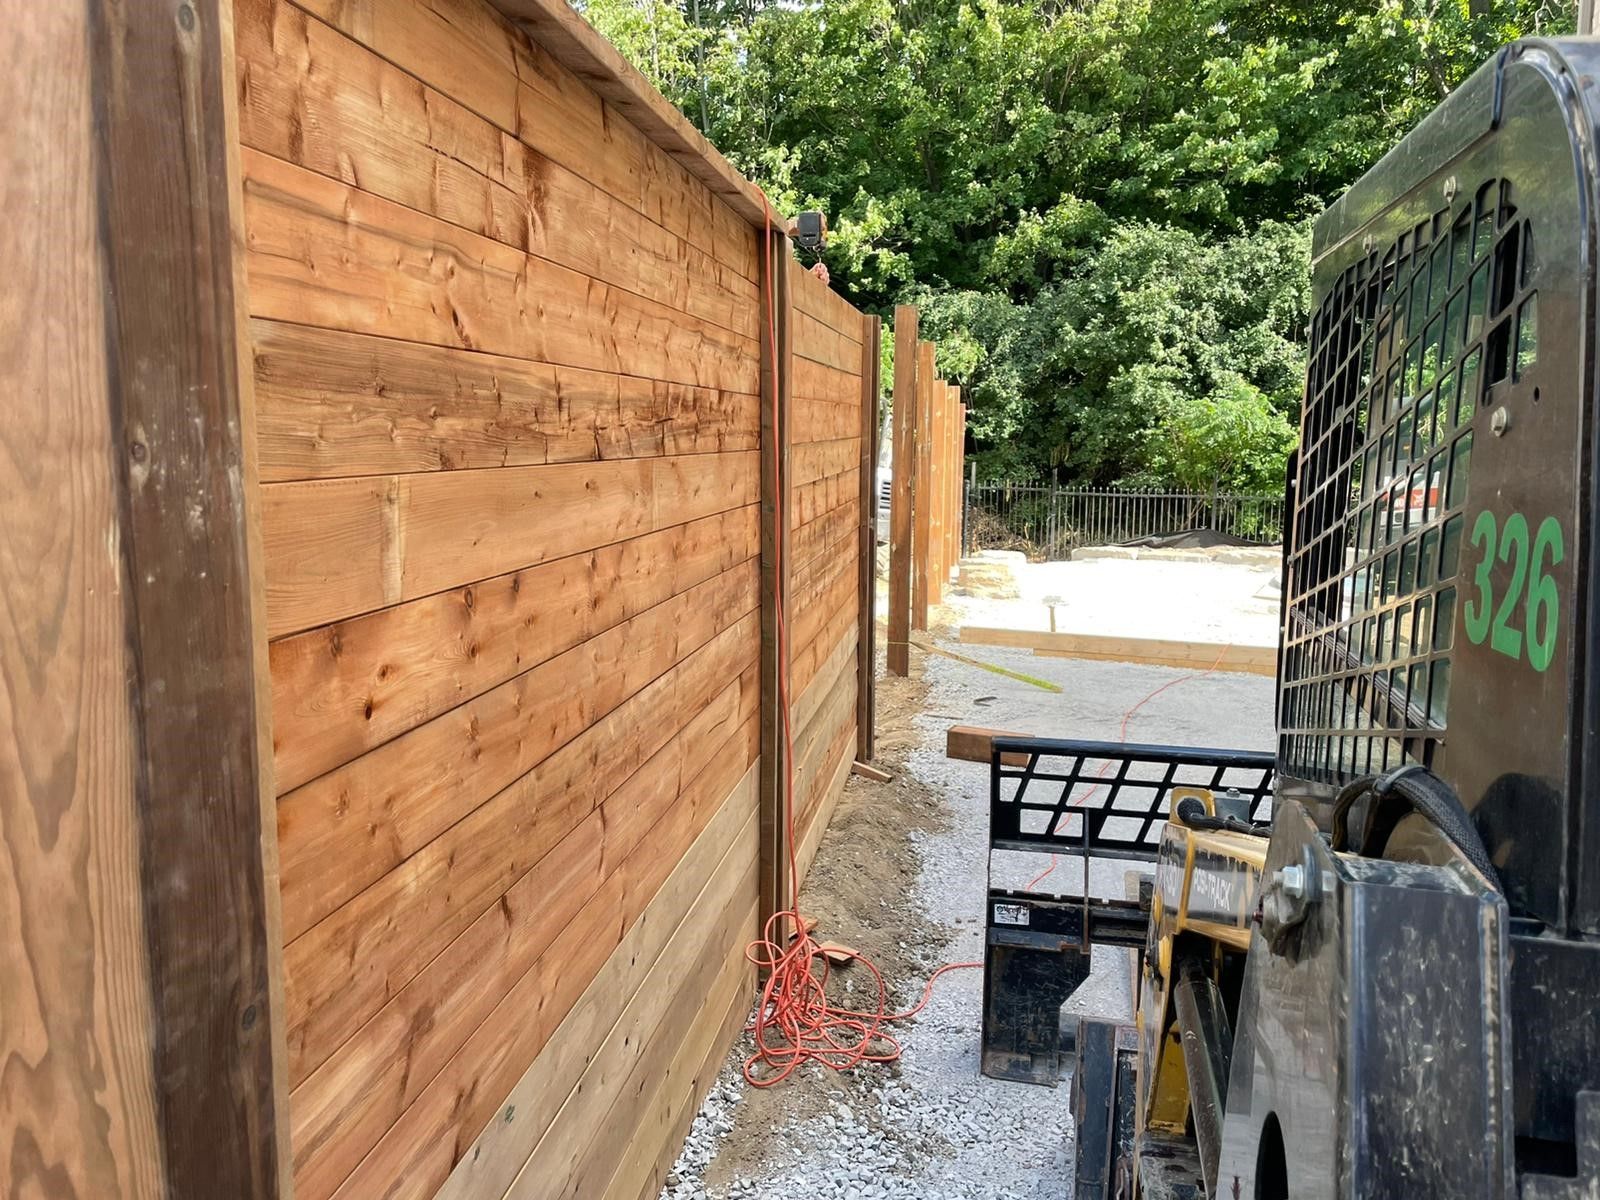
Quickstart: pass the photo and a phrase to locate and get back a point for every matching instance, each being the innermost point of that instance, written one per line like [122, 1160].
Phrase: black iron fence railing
[1048, 522]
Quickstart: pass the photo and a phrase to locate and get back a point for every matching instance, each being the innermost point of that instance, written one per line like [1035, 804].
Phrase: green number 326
[1531, 587]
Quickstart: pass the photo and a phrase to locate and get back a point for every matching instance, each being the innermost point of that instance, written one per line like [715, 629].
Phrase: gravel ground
[931, 1126]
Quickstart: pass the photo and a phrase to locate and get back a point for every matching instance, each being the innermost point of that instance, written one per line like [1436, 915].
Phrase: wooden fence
[930, 424]
[539, 484]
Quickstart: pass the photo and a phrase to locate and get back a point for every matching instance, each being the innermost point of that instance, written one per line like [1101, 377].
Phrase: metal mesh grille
[1122, 792]
[1404, 348]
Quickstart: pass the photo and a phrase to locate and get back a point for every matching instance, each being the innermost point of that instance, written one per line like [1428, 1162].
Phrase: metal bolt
[1500, 421]
[1292, 881]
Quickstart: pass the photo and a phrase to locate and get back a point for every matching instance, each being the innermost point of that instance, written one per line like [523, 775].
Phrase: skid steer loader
[1368, 963]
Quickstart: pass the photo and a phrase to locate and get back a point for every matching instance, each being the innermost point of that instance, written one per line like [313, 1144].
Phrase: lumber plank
[817, 299]
[926, 498]
[822, 535]
[332, 404]
[683, 1082]
[902, 498]
[818, 381]
[346, 688]
[815, 341]
[78, 1097]
[340, 1114]
[825, 420]
[649, 953]
[494, 70]
[336, 548]
[813, 499]
[687, 1102]
[973, 743]
[343, 830]
[1257, 660]
[418, 1152]
[343, 969]
[867, 515]
[580, 1147]
[938, 484]
[325, 253]
[806, 853]
[161, 169]
[317, 98]
[811, 699]
[779, 516]
[822, 460]
[590, 57]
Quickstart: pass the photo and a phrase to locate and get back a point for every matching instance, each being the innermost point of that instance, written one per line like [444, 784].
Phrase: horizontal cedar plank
[331, 404]
[821, 535]
[320, 252]
[1259, 660]
[817, 381]
[519, 88]
[811, 500]
[817, 575]
[637, 1178]
[340, 1112]
[416, 1155]
[815, 755]
[809, 659]
[580, 1149]
[811, 842]
[815, 341]
[335, 548]
[815, 692]
[342, 970]
[316, 98]
[823, 421]
[650, 951]
[817, 299]
[340, 690]
[811, 461]
[836, 742]
[343, 830]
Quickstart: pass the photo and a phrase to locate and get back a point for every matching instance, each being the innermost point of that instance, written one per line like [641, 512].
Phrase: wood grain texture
[78, 1115]
[348, 687]
[473, 56]
[867, 568]
[902, 499]
[315, 97]
[418, 1153]
[164, 79]
[586, 54]
[340, 547]
[334, 404]
[626, 987]
[829, 795]
[340, 1113]
[327, 254]
[778, 509]
[926, 499]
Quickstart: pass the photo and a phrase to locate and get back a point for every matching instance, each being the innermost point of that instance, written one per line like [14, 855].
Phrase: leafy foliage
[1100, 205]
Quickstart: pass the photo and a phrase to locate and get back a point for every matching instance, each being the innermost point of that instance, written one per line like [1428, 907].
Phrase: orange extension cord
[794, 1022]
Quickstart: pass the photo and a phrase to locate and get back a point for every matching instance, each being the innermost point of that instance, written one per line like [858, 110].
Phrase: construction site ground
[901, 876]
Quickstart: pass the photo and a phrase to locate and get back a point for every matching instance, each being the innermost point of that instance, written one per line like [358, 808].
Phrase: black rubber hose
[1410, 789]
[1191, 811]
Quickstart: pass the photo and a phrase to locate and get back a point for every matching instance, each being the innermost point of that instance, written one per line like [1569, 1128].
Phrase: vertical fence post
[776, 516]
[938, 403]
[867, 592]
[921, 555]
[902, 476]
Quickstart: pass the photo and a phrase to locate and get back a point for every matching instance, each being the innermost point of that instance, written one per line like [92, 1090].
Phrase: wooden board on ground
[970, 743]
[1207, 656]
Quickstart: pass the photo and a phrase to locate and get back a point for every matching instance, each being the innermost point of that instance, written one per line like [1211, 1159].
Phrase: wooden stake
[776, 516]
[922, 488]
[902, 497]
[867, 596]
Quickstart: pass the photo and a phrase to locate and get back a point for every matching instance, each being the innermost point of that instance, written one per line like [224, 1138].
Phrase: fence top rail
[1157, 493]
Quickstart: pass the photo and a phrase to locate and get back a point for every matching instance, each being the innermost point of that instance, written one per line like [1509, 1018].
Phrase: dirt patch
[861, 890]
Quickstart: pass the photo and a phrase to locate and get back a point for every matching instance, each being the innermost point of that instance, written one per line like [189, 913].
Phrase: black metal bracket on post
[1085, 800]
